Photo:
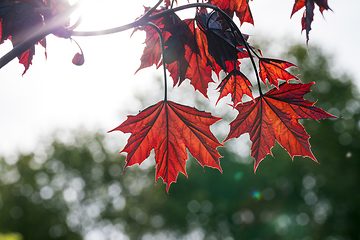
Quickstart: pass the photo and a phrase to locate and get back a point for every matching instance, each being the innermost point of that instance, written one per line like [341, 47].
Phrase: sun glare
[102, 14]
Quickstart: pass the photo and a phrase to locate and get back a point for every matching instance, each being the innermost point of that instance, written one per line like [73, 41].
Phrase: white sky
[55, 94]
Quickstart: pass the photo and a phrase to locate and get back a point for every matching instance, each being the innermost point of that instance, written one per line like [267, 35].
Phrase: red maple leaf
[186, 56]
[309, 12]
[170, 128]
[239, 7]
[199, 70]
[181, 34]
[274, 69]
[274, 116]
[323, 5]
[235, 83]
[152, 50]
[210, 59]
[221, 45]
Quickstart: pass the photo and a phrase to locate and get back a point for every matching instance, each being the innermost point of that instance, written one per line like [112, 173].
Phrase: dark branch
[55, 25]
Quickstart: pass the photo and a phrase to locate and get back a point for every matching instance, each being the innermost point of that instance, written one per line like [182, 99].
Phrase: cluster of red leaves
[193, 49]
[19, 19]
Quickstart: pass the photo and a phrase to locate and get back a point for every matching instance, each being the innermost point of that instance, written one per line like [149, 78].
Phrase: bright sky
[55, 94]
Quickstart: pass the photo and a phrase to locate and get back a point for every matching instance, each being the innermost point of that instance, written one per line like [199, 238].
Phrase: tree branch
[55, 25]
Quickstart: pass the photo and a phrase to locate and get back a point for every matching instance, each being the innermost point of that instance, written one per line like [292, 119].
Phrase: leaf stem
[252, 62]
[235, 44]
[82, 53]
[163, 55]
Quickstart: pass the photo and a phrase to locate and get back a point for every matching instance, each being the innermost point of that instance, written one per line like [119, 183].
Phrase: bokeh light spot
[238, 176]
[268, 194]
[256, 194]
[302, 219]
[193, 206]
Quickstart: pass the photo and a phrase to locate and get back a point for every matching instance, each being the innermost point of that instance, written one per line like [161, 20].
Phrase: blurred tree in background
[76, 190]
[10, 236]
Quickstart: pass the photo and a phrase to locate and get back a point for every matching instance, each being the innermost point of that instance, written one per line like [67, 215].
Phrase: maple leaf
[170, 128]
[274, 69]
[152, 50]
[308, 15]
[239, 7]
[181, 34]
[188, 52]
[299, 4]
[203, 44]
[199, 70]
[236, 84]
[186, 56]
[221, 45]
[274, 116]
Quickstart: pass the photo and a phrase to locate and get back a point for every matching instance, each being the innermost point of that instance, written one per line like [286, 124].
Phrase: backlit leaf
[186, 56]
[274, 69]
[274, 116]
[308, 15]
[152, 51]
[170, 128]
[236, 84]
[239, 7]
[221, 45]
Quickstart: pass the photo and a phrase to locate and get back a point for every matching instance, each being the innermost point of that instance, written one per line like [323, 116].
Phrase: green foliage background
[76, 191]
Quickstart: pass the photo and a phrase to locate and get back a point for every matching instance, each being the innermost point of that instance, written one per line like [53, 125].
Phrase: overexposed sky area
[55, 94]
